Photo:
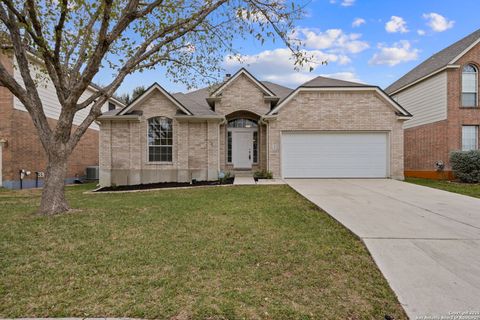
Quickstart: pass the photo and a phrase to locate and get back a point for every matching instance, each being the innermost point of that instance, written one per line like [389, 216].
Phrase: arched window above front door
[242, 123]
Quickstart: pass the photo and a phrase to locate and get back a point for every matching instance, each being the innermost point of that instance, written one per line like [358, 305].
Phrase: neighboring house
[325, 128]
[20, 147]
[442, 95]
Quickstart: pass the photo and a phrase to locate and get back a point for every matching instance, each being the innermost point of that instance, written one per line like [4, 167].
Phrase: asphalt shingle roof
[329, 82]
[436, 62]
[196, 101]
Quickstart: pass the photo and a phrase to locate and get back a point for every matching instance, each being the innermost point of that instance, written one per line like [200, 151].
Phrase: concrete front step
[241, 173]
[244, 181]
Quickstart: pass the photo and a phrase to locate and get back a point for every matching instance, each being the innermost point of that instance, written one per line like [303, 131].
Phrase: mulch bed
[161, 185]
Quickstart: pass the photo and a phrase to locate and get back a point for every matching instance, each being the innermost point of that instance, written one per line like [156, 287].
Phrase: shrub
[466, 165]
[224, 177]
[263, 174]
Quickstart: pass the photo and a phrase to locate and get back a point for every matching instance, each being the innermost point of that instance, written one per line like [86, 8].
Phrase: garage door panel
[334, 155]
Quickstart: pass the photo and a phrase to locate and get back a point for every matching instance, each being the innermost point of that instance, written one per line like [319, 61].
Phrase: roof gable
[439, 61]
[400, 111]
[155, 87]
[240, 72]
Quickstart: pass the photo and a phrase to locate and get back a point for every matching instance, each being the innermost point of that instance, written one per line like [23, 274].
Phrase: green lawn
[468, 189]
[255, 252]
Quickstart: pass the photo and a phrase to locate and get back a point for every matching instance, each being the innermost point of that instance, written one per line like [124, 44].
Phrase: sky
[368, 41]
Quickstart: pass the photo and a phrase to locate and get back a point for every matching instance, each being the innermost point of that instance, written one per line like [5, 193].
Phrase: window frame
[476, 137]
[474, 66]
[148, 145]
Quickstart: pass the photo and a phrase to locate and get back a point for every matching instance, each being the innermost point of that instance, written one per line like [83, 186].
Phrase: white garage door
[334, 155]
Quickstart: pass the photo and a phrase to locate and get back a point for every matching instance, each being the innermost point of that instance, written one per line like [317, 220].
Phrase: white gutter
[200, 118]
[119, 118]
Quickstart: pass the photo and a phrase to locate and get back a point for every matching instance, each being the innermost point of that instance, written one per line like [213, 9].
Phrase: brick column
[105, 154]
[213, 149]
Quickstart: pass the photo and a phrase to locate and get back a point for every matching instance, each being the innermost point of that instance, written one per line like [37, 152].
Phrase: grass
[468, 189]
[255, 252]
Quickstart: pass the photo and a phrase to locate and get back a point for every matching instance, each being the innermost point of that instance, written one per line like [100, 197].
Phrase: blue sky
[370, 41]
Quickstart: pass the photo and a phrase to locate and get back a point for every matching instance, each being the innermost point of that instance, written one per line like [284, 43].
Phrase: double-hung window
[469, 138]
[160, 139]
[469, 86]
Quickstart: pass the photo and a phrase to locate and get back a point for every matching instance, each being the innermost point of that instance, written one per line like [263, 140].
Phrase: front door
[242, 149]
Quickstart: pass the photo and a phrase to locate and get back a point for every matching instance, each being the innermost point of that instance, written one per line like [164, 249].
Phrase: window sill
[159, 162]
[476, 107]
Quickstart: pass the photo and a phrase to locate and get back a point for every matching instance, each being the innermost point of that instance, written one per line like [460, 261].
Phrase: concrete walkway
[425, 241]
[243, 180]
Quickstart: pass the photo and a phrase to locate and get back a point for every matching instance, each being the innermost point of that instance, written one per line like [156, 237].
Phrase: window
[469, 86]
[469, 138]
[255, 146]
[229, 146]
[160, 139]
[242, 123]
[111, 106]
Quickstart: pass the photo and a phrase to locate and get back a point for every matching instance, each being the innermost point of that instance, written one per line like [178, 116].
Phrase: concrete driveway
[425, 241]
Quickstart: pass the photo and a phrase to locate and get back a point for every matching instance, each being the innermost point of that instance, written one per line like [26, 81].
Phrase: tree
[137, 91]
[76, 39]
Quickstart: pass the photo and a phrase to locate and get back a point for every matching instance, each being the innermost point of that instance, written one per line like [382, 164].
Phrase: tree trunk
[53, 195]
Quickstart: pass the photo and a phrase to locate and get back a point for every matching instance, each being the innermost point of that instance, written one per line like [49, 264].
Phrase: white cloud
[277, 66]
[347, 3]
[437, 22]
[344, 3]
[421, 32]
[335, 40]
[396, 24]
[358, 22]
[401, 51]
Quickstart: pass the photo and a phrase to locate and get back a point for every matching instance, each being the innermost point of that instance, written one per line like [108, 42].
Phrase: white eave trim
[341, 89]
[450, 66]
[155, 86]
[470, 47]
[199, 118]
[119, 118]
[235, 76]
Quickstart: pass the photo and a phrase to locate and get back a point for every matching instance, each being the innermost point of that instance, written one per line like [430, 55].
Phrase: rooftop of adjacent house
[436, 62]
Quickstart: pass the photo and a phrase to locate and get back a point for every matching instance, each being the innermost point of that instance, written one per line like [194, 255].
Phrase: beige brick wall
[200, 147]
[124, 154]
[243, 94]
[343, 111]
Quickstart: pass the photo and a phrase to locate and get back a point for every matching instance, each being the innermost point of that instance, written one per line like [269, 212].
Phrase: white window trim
[476, 137]
[476, 86]
[147, 159]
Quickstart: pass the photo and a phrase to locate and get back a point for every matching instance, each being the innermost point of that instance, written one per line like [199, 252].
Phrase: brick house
[20, 147]
[442, 95]
[324, 128]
